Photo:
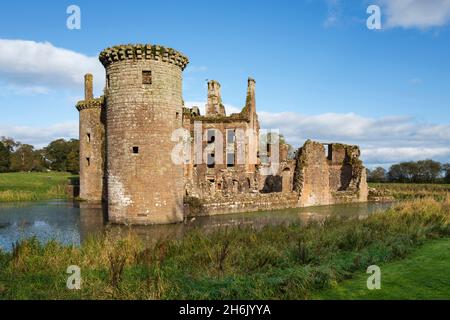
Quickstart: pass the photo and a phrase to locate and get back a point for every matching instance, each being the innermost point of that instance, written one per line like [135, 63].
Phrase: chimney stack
[88, 87]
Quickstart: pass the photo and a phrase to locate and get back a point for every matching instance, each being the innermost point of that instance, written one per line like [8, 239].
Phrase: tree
[446, 169]
[73, 158]
[23, 158]
[5, 158]
[10, 143]
[378, 174]
[424, 171]
[397, 173]
[62, 155]
[428, 171]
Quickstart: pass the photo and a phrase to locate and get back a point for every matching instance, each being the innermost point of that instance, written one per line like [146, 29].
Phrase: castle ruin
[128, 140]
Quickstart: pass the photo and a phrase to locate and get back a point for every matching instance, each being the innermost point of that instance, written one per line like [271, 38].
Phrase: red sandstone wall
[91, 171]
[147, 187]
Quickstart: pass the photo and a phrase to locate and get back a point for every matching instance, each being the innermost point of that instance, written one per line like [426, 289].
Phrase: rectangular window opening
[211, 160]
[231, 136]
[230, 159]
[88, 161]
[146, 77]
[135, 150]
[330, 152]
[211, 135]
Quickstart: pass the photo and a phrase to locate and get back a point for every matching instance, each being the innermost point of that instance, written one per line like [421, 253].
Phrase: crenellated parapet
[91, 103]
[143, 52]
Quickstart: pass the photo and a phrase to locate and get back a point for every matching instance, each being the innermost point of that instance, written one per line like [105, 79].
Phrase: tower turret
[92, 143]
[144, 107]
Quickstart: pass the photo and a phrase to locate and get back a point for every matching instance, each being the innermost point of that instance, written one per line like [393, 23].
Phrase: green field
[323, 260]
[407, 191]
[422, 275]
[277, 262]
[24, 186]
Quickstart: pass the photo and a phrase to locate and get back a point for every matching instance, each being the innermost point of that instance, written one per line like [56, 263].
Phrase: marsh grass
[408, 191]
[277, 262]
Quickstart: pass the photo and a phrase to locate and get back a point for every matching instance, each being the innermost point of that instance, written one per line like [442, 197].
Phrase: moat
[71, 223]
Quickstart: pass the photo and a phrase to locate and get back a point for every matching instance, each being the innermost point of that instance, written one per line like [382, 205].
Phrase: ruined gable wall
[205, 182]
[347, 174]
[311, 179]
[340, 167]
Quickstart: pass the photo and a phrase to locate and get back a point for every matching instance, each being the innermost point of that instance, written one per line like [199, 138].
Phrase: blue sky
[320, 72]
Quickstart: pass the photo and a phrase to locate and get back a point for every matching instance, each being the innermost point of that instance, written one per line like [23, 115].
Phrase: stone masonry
[127, 142]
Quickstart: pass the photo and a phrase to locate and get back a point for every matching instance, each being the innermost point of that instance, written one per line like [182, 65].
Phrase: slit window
[135, 150]
[88, 137]
[146, 77]
[88, 161]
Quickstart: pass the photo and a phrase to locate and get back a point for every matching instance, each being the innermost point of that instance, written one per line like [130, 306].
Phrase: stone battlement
[143, 52]
[91, 103]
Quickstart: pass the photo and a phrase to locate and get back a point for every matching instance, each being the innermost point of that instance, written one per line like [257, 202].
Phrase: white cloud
[195, 69]
[39, 67]
[420, 14]
[387, 156]
[383, 141]
[40, 136]
[201, 105]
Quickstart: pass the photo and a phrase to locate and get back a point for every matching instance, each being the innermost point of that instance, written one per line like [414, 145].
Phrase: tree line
[63, 155]
[60, 155]
[424, 171]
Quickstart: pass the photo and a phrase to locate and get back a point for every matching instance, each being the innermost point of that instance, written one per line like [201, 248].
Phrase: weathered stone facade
[92, 144]
[127, 145]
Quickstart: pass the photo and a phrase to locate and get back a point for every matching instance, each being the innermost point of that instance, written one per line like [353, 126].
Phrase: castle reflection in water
[71, 223]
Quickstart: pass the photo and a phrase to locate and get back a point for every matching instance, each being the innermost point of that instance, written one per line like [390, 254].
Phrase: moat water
[71, 223]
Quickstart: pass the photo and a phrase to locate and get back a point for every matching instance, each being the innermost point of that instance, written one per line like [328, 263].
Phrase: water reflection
[71, 222]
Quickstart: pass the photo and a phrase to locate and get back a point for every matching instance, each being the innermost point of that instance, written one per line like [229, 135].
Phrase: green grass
[24, 186]
[407, 191]
[422, 275]
[277, 262]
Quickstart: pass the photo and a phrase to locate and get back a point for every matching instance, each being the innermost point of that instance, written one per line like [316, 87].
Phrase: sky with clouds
[320, 72]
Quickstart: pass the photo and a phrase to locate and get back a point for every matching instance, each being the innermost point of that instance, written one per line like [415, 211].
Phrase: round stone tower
[143, 108]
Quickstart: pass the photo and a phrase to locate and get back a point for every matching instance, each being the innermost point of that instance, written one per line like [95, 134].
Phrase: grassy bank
[277, 262]
[422, 275]
[408, 191]
[24, 186]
